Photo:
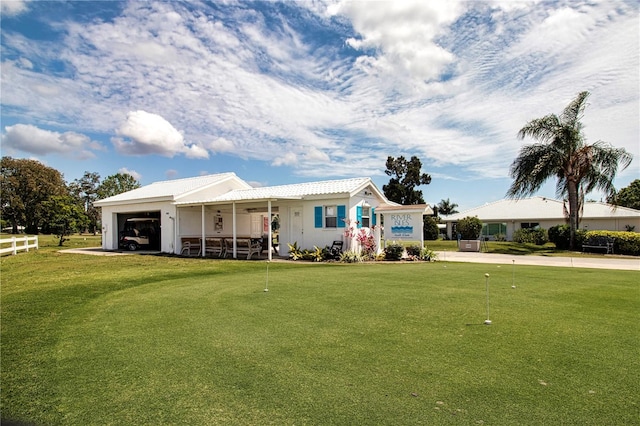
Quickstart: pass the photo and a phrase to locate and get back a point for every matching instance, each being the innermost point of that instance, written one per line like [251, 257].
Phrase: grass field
[164, 340]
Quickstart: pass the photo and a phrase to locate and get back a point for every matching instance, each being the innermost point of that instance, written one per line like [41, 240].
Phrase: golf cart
[139, 233]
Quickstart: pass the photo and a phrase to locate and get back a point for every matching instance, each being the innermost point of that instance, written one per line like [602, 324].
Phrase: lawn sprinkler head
[266, 290]
[487, 322]
[513, 286]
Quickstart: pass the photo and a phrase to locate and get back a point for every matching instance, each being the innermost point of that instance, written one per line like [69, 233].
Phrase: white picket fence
[14, 248]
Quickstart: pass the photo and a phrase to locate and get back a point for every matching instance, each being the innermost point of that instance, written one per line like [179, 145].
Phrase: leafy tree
[430, 228]
[85, 190]
[469, 228]
[405, 176]
[628, 196]
[446, 207]
[562, 152]
[64, 216]
[116, 184]
[25, 185]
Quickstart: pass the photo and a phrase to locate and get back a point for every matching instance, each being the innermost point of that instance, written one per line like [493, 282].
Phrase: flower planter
[469, 245]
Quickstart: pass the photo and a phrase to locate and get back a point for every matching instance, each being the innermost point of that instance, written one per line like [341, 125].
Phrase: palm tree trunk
[573, 212]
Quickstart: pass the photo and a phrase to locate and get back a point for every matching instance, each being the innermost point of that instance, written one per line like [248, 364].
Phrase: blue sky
[284, 92]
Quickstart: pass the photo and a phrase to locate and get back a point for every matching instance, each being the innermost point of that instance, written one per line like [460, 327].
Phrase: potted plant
[469, 229]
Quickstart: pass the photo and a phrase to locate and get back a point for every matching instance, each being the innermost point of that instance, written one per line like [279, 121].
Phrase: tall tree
[116, 184]
[63, 216]
[24, 186]
[85, 190]
[628, 196]
[562, 152]
[446, 207]
[405, 176]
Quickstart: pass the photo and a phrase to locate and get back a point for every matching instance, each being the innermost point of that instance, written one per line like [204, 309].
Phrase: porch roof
[414, 208]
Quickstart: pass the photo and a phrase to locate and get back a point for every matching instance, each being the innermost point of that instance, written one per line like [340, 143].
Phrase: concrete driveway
[606, 262]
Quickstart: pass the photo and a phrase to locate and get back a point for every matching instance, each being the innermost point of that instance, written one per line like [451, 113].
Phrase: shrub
[430, 228]
[315, 255]
[469, 228]
[393, 251]
[428, 255]
[533, 236]
[350, 257]
[414, 250]
[623, 242]
[500, 237]
[560, 235]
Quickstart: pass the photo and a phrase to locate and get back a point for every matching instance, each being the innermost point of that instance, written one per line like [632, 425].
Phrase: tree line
[36, 199]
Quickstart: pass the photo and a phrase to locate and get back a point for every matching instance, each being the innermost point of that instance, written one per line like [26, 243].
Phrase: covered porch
[236, 229]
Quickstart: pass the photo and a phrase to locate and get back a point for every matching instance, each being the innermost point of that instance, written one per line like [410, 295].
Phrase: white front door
[297, 231]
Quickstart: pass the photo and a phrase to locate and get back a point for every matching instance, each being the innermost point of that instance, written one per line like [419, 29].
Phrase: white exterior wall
[319, 237]
[110, 231]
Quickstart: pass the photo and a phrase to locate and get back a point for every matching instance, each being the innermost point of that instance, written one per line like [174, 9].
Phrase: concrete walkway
[620, 263]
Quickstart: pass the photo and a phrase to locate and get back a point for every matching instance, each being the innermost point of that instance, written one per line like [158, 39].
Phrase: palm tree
[562, 152]
[446, 207]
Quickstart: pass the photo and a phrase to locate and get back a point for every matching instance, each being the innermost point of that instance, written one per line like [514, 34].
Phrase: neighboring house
[223, 205]
[504, 217]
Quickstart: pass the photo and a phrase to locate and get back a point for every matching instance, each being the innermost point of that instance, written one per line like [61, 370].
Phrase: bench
[243, 246]
[599, 243]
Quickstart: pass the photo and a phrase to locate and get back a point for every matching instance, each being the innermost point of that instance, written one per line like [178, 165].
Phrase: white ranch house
[224, 206]
[506, 216]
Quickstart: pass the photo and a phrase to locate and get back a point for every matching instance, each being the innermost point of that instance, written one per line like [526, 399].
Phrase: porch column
[202, 234]
[269, 233]
[378, 233]
[177, 249]
[234, 232]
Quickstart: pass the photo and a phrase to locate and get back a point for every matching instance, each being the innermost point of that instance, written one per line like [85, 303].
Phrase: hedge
[623, 242]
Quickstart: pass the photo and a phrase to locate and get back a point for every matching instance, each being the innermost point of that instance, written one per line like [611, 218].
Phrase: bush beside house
[623, 242]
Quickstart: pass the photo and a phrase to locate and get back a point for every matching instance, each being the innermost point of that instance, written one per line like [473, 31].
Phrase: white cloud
[149, 133]
[137, 176]
[33, 140]
[13, 7]
[287, 159]
[236, 83]
[403, 33]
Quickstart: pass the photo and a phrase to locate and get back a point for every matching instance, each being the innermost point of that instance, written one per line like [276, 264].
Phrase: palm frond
[573, 113]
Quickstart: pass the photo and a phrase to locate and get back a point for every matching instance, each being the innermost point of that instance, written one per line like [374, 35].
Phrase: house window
[330, 217]
[494, 229]
[365, 220]
[529, 225]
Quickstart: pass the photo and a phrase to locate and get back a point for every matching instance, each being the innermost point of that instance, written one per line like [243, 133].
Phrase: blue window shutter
[359, 216]
[373, 216]
[318, 216]
[342, 215]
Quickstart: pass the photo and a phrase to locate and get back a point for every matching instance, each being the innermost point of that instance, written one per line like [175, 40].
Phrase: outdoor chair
[336, 249]
[215, 247]
[188, 247]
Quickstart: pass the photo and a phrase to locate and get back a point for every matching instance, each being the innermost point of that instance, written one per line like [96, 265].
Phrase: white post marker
[513, 274]
[266, 287]
[486, 280]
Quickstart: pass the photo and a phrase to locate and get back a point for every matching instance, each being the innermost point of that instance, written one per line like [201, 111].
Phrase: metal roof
[168, 189]
[292, 191]
[539, 208]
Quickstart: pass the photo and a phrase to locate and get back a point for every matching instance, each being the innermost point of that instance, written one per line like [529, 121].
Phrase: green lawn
[165, 340]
